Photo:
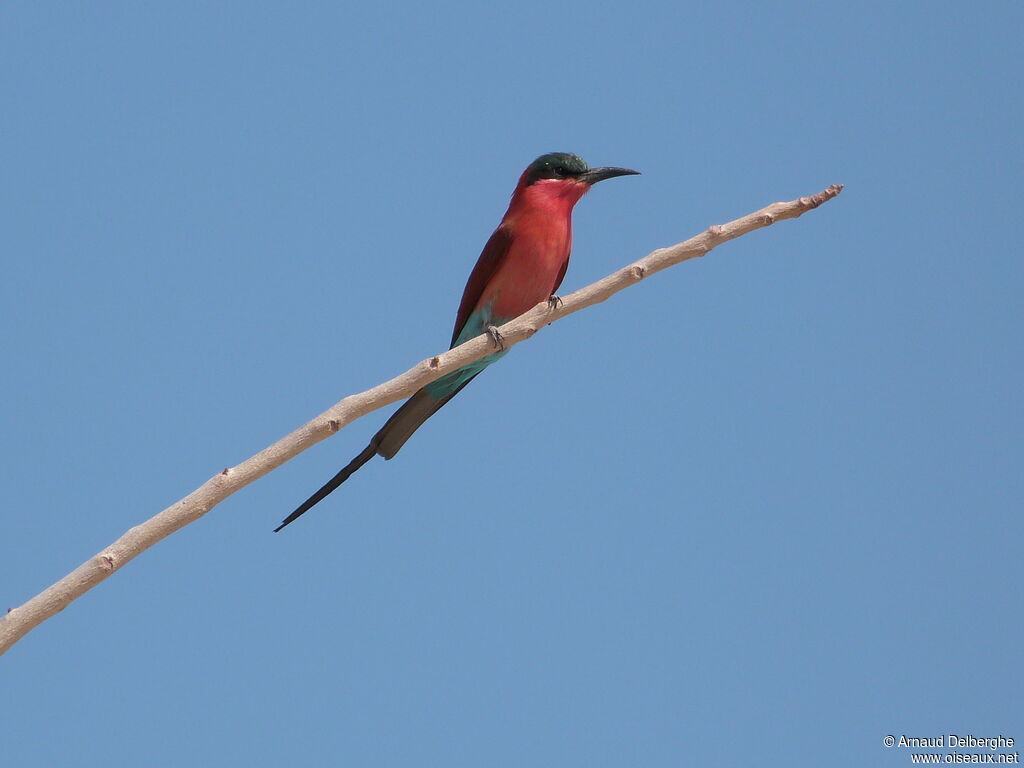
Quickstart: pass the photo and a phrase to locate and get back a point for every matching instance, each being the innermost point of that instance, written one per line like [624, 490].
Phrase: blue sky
[763, 508]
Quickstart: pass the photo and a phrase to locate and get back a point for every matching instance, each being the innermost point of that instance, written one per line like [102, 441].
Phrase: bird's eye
[560, 170]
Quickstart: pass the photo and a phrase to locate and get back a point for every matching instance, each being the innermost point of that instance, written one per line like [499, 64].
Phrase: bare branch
[57, 597]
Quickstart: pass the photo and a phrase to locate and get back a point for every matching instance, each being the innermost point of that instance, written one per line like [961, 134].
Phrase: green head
[563, 165]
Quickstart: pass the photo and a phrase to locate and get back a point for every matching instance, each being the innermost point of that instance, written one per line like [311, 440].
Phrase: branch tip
[822, 197]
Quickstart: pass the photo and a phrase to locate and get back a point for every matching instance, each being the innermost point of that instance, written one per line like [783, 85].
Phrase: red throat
[553, 196]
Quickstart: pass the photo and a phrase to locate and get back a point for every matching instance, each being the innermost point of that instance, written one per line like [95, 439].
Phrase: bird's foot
[554, 302]
[496, 337]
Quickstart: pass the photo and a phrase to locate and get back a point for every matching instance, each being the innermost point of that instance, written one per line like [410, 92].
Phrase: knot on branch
[768, 219]
[333, 425]
[638, 271]
[106, 562]
[434, 362]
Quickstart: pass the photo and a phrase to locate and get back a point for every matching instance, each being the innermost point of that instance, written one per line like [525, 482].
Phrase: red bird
[522, 265]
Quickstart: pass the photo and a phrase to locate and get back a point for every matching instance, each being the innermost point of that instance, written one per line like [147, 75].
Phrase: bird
[522, 264]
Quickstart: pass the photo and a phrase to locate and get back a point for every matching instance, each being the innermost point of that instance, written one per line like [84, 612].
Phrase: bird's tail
[330, 485]
[387, 442]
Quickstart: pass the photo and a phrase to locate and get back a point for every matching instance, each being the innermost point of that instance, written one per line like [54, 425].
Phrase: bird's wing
[561, 275]
[486, 267]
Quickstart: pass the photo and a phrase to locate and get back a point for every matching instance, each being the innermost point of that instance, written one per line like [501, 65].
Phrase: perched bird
[522, 264]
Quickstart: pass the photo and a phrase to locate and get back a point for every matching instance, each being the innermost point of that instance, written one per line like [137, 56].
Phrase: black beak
[595, 175]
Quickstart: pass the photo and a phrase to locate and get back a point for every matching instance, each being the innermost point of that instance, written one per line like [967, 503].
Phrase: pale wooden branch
[18, 621]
